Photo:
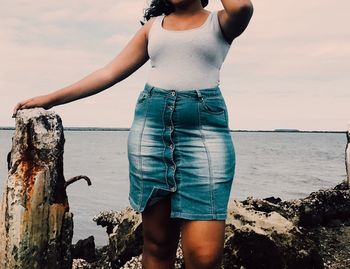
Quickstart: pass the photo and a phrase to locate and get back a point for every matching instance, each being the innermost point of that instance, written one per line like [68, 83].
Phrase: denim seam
[213, 97]
[148, 198]
[219, 216]
[209, 160]
[190, 97]
[135, 206]
[226, 112]
[140, 147]
[179, 171]
[226, 118]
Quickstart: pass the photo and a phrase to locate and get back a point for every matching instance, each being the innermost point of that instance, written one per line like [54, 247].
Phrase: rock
[119, 226]
[323, 206]
[333, 243]
[109, 219]
[81, 264]
[257, 239]
[312, 232]
[135, 262]
[125, 234]
[253, 239]
[85, 249]
[125, 238]
[36, 226]
[318, 208]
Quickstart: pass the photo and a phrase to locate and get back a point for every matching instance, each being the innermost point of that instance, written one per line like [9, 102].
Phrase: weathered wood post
[36, 227]
[347, 156]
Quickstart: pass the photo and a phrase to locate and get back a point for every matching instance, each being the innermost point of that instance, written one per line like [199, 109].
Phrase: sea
[287, 165]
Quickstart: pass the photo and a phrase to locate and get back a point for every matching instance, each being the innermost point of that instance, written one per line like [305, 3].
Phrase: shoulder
[148, 25]
[233, 22]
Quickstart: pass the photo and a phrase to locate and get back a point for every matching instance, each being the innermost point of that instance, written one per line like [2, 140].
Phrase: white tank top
[186, 59]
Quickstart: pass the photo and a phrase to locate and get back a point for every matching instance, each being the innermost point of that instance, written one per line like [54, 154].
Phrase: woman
[180, 152]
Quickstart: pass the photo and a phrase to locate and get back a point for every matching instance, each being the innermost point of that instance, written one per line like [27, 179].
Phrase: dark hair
[159, 7]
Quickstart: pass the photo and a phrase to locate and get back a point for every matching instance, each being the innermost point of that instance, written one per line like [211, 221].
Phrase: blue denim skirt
[180, 145]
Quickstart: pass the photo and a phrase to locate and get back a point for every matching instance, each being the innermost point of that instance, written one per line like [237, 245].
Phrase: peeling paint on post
[36, 227]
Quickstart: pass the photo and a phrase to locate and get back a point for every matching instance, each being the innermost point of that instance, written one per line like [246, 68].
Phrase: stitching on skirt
[177, 140]
[140, 162]
[164, 146]
[209, 160]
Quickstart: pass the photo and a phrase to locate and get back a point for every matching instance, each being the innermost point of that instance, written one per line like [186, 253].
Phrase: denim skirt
[180, 145]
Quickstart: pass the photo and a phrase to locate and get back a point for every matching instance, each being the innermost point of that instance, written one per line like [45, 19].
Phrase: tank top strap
[156, 25]
[159, 20]
[208, 21]
[215, 20]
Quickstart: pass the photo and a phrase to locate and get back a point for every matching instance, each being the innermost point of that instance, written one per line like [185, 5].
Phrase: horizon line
[277, 130]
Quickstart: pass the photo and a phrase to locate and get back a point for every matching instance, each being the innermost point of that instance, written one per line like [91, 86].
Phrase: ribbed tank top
[186, 59]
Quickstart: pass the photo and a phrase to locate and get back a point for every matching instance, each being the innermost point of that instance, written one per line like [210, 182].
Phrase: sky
[289, 69]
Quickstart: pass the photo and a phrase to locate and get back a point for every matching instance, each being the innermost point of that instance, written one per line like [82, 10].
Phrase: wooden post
[36, 227]
[347, 156]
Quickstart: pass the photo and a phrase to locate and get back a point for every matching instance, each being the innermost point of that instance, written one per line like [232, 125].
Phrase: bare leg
[160, 236]
[203, 243]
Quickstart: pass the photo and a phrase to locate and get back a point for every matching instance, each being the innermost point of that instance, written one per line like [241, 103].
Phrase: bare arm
[131, 58]
[235, 17]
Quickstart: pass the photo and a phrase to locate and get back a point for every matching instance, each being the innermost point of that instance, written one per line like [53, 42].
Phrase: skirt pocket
[213, 105]
[213, 111]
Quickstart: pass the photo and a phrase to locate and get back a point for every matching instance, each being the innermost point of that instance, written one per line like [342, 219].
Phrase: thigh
[158, 228]
[203, 237]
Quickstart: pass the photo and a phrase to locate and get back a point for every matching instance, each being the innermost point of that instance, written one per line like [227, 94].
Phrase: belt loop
[200, 97]
[150, 90]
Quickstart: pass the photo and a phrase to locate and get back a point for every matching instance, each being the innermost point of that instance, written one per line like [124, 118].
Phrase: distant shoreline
[127, 129]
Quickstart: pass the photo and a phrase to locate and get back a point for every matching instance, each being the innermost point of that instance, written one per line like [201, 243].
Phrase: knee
[161, 247]
[204, 258]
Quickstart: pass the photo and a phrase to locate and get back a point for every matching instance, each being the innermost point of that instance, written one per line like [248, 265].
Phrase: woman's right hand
[38, 101]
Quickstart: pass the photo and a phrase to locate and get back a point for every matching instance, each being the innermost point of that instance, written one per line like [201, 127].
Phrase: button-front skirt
[180, 145]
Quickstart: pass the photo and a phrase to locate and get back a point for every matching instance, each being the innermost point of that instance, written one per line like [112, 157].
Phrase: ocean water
[285, 165]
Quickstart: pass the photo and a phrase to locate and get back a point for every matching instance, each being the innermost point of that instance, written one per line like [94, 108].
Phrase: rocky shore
[36, 225]
[312, 232]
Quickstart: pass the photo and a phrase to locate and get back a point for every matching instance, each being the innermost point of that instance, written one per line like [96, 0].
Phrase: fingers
[20, 105]
[17, 107]
[38, 101]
